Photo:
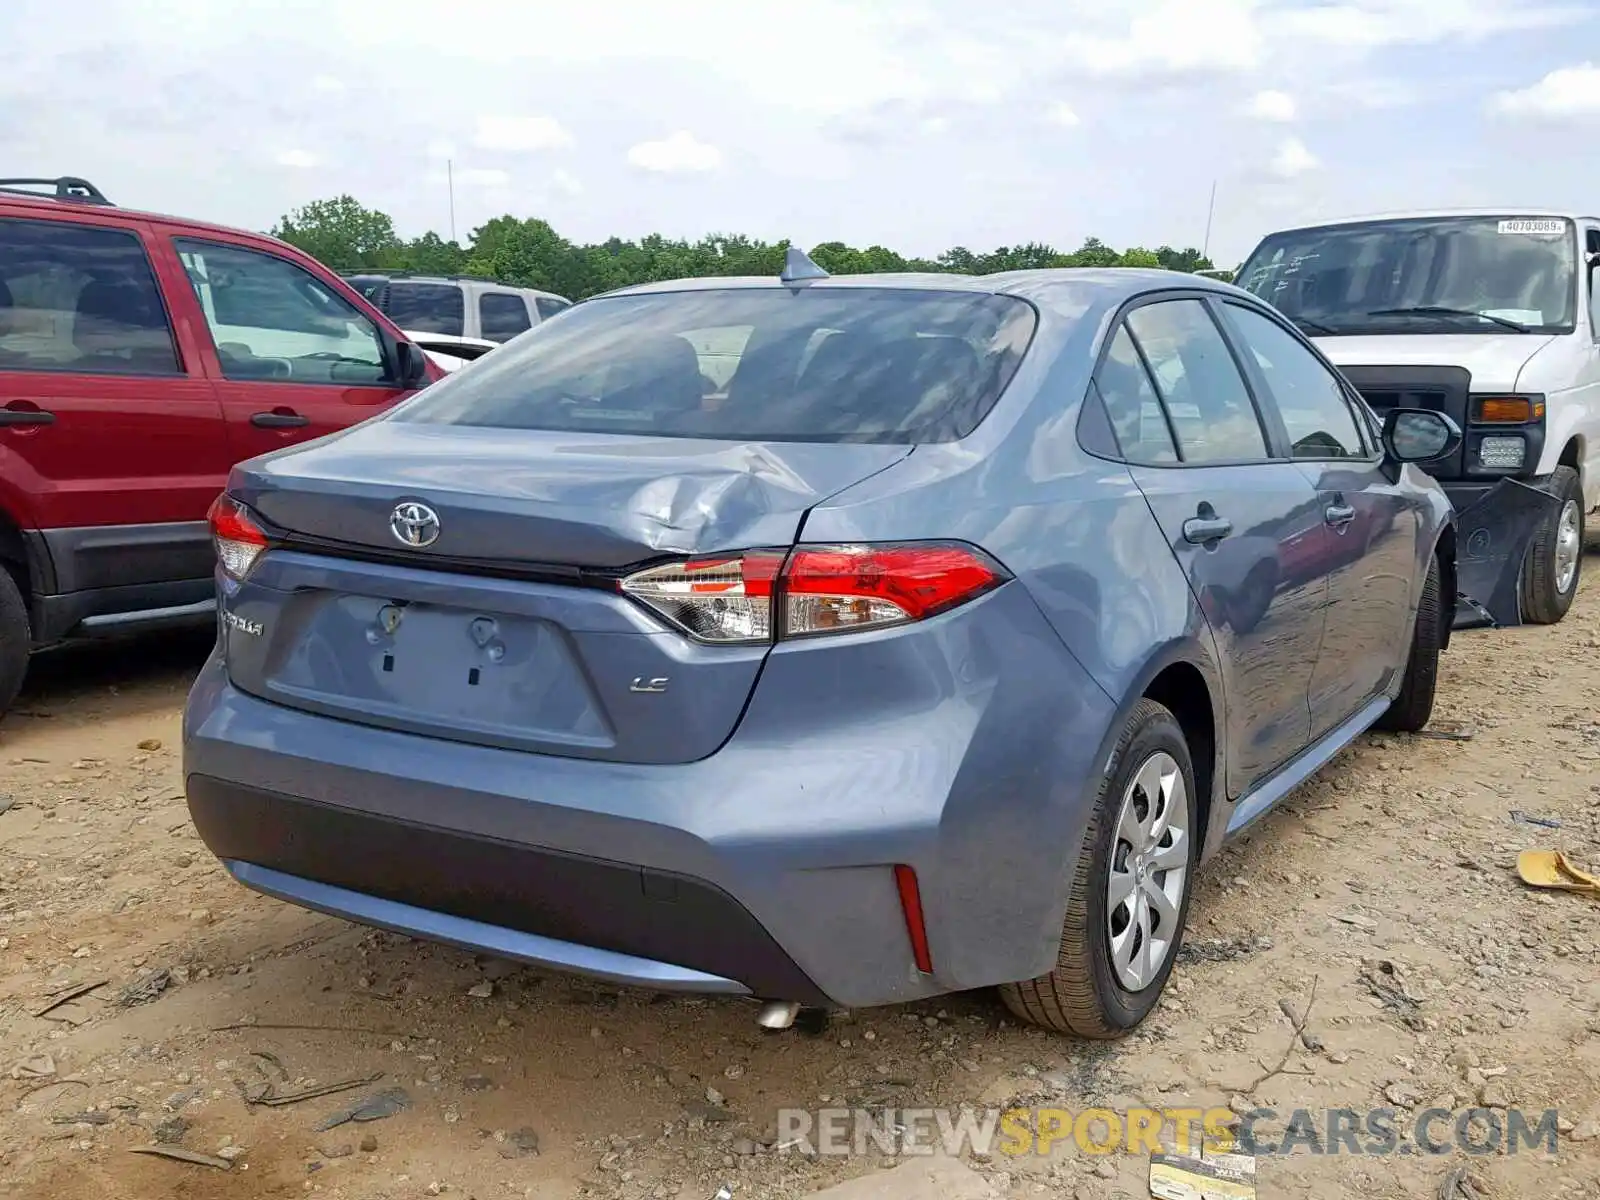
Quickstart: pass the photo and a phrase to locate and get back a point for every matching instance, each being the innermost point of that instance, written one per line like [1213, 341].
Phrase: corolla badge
[414, 524]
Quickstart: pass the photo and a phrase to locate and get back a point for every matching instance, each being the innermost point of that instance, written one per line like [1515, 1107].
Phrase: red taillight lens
[239, 540]
[763, 594]
[829, 588]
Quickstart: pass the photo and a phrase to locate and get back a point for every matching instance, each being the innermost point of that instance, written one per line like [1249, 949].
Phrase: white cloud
[680, 152]
[327, 83]
[298, 159]
[1065, 115]
[566, 182]
[1293, 159]
[521, 134]
[441, 148]
[1370, 24]
[1272, 106]
[1565, 92]
[1174, 38]
[935, 125]
[483, 177]
[1370, 94]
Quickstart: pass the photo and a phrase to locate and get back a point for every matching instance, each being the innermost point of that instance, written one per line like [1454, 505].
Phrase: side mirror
[412, 366]
[1414, 435]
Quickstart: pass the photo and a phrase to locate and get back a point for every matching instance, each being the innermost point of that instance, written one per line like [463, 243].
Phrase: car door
[111, 436]
[1234, 515]
[502, 315]
[1371, 526]
[293, 359]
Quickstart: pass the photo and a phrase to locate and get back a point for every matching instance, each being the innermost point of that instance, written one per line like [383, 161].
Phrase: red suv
[142, 356]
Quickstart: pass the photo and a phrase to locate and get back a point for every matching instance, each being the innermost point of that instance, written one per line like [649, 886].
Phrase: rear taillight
[238, 539]
[763, 595]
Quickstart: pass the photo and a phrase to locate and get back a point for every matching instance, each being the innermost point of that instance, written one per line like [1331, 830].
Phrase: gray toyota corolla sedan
[827, 641]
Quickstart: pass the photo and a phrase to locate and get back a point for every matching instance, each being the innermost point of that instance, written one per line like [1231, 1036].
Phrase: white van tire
[1554, 562]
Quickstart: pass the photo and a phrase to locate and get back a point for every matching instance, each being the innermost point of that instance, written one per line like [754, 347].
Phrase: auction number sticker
[1534, 227]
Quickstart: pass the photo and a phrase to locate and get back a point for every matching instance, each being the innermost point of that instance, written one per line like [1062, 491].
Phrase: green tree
[527, 252]
[343, 235]
[430, 254]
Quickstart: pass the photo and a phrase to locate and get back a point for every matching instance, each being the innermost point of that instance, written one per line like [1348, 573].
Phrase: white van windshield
[1423, 275]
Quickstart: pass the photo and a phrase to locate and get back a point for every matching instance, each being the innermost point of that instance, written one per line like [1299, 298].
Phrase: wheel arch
[14, 555]
[1444, 549]
[1183, 677]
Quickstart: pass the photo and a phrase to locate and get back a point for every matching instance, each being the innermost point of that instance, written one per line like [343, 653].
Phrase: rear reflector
[905, 879]
[761, 595]
[237, 537]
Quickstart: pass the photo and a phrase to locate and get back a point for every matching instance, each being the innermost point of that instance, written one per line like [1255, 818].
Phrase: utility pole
[1205, 249]
[450, 176]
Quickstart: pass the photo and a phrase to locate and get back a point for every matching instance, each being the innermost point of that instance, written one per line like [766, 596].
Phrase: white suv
[1487, 315]
[463, 306]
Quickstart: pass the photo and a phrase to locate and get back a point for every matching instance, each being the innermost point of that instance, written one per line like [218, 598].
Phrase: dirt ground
[1386, 884]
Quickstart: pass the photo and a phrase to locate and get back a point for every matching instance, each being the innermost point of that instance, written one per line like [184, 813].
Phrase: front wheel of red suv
[16, 635]
[1130, 890]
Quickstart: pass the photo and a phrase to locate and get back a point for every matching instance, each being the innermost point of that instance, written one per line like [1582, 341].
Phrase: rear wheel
[15, 638]
[1555, 557]
[1130, 890]
[1414, 705]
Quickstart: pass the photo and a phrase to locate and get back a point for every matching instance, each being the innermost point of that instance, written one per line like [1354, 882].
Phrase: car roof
[1044, 284]
[53, 204]
[1423, 214]
[412, 277]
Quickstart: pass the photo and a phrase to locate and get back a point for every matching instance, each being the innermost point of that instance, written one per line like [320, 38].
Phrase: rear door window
[1205, 395]
[820, 364]
[425, 307]
[502, 315]
[80, 299]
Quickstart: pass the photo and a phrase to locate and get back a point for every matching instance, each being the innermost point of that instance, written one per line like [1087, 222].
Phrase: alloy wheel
[1568, 547]
[1148, 871]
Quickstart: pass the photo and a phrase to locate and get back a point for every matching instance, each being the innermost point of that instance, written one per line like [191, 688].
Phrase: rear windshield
[817, 364]
[425, 307]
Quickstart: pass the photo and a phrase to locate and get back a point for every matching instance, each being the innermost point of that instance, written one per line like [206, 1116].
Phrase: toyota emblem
[415, 525]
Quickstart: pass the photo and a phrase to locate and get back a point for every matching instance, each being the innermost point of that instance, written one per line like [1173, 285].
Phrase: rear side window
[1206, 397]
[425, 307]
[549, 306]
[502, 315]
[80, 299]
[1132, 404]
[884, 365]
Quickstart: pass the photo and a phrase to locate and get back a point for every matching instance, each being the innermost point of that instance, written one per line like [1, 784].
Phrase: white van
[1488, 315]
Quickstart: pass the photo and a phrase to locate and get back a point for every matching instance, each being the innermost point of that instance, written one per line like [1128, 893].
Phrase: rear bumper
[765, 869]
[484, 894]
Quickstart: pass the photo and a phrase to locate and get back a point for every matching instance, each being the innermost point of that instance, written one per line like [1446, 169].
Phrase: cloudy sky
[919, 124]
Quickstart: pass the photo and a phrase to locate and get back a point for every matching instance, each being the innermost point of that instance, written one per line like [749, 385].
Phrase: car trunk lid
[509, 629]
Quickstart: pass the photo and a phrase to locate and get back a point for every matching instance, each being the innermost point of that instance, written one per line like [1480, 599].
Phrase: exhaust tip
[778, 1014]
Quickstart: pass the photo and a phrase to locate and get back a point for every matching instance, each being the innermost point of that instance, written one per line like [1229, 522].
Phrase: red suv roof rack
[67, 187]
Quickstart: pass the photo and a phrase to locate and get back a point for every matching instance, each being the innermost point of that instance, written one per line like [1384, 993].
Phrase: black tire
[1082, 994]
[16, 639]
[1543, 602]
[1414, 705]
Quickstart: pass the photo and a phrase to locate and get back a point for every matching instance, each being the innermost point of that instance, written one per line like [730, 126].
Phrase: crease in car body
[967, 749]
